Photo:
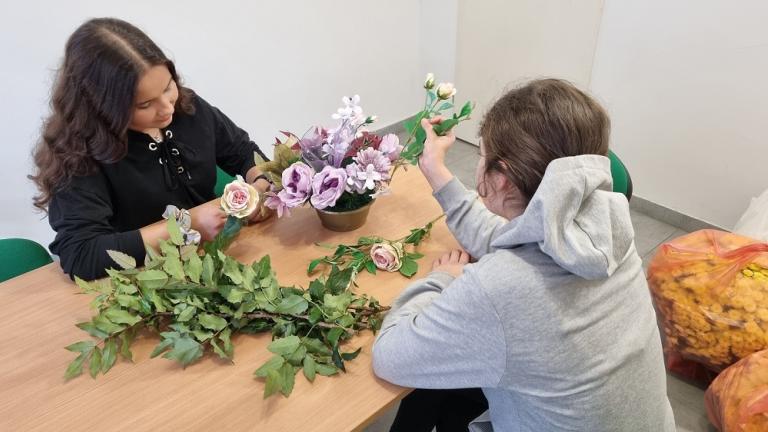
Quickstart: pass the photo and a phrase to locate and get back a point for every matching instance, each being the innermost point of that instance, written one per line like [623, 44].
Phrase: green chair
[18, 256]
[222, 179]
[622, 182]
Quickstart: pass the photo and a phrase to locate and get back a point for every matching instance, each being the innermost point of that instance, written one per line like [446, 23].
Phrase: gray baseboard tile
[670, 216]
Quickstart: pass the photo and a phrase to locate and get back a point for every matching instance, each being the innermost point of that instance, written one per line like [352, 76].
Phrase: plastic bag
[754, 222]
[737, 400]
[710, 289]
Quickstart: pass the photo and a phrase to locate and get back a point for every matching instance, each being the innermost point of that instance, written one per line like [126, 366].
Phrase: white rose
[239, 199]
[446, 91]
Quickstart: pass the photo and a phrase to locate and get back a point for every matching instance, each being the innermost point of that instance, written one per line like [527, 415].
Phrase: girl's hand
[262, 212]
[452, 262]
[208, 219]
[432, 160]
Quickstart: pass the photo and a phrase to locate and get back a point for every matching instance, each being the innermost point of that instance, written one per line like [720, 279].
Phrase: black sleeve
[234, 148]
[80, 215]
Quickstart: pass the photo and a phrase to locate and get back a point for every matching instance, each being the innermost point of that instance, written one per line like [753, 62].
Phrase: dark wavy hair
[92, 102]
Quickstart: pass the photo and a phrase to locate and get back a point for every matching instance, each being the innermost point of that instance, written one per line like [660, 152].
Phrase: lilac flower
[311, 145]
[338, 142]
[297, 184]
[371, 167]
[327, 187]
[274, 202]
[351, 111]
[390, 146]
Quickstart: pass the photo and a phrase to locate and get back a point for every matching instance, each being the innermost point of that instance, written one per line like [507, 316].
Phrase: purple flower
[338, 142]
[390, 146]
[297, 184]
[371, 167]
[311, 145]
[327, 187]
[274, 202]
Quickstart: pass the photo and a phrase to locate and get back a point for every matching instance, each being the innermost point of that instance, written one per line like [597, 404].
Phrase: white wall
[501, 43]
[686, 84]
[269, 65]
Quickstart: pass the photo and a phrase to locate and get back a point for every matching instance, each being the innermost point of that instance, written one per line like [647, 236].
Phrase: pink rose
[239, 199]
[387, 256]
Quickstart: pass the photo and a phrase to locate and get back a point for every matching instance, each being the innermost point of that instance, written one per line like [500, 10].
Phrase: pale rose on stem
[239, 199]
[446, 91]
[387, 257]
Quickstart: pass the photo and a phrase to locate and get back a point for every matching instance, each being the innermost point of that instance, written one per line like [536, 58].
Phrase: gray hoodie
[554, 321]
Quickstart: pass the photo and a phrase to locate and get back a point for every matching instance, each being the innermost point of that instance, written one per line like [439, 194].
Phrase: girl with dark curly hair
[124, 140]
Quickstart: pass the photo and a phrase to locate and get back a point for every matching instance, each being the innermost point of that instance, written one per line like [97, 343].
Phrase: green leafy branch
[356, 257]
[196, 303]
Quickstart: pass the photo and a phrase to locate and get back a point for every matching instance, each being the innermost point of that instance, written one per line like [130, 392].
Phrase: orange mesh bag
[737, 400]
[710, 289]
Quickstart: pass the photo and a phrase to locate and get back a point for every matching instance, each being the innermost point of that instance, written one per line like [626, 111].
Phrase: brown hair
[532, 125]
[92, 102]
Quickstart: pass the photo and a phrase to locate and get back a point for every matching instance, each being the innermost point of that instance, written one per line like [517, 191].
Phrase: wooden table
[38, 312]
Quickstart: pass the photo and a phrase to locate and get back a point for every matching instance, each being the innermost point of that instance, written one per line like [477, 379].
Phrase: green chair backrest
[222, 179]
[18, 256]
[622, 182]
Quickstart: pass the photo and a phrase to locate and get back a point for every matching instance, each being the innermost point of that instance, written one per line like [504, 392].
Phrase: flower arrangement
[338, 169]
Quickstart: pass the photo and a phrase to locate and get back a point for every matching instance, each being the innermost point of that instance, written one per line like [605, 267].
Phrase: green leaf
[193, 267]
[81, 347]
[288, 375]
[338, 280]
[208, 271]
[125, 261]
[315, 315]
[152, 254]
[466, 110]
[265, 267]
[186, 314]
[174, 268]
[272, 364]
[104, 324]
[212, 322]
[293, 304]
[445, 106]
[224, 337]
[273, 384]
[337, 359]
[91, 329]
[370, 266]
[109, 355]
[249, 275]
[232, 270]
[351, 355]
[152, 279]
[316, 346]
[75, 368]
[316, 290]
[162, 346]
[95, 365]
[126, 338]
[309, 368]
[174, 231]
[313, 264]
[409, 267]
[284, 346]
[333, 335]
[201, 335]
[338, 303]
[185, 351]
[217, 349]
[87, 287]
[326, 370]
[296, 358]
[120, 316]
[415, 255]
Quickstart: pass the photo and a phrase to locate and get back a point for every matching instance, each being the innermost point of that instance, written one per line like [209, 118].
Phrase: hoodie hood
[575, 218]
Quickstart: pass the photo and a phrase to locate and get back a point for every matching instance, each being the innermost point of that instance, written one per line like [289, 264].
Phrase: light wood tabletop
[39, 310]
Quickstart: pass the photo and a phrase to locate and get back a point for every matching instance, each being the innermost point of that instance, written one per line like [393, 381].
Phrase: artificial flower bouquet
[345, 167]
[338, 169]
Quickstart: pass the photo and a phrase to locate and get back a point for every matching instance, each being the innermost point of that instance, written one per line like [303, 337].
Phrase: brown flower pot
[344, 221]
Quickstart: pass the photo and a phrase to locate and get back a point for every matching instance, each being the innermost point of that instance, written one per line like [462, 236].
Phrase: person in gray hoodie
[554, 321]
